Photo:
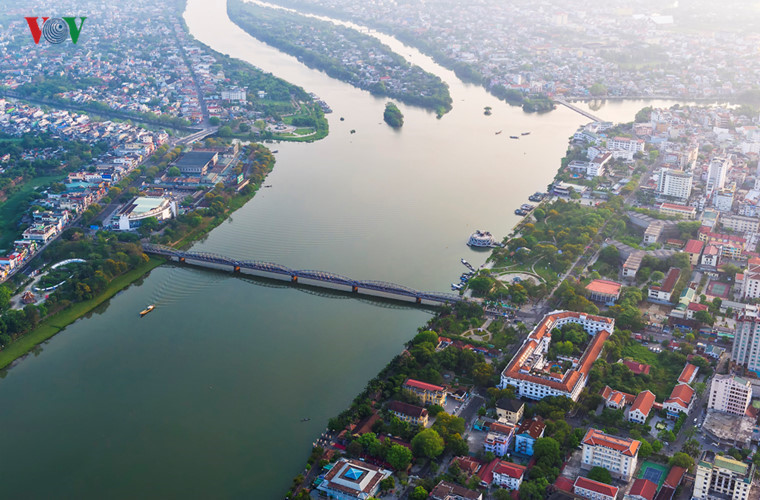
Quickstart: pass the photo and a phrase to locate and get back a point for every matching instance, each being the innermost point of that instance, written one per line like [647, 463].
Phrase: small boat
[514, 137]
[305, 419]
[520, 212]
[147, 310]
[455, 286]
[526, 206]
[525, 133]
[267, 186]
[465, 262]
[275, 151]
[499, 132]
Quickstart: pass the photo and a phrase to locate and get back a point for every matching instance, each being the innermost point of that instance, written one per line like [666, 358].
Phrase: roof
[194, 158]
[629, 447]
[674, 477]
[596, 486]
[675, 206]
[508, 468]
[637, 368]
[410, 382]
[500, 428]
[445, 489]
[605, 287]
[407, 409]
[694, 306]
[730, 464]
[509, 404]
[681, 395]
[693, 246]
[643, 402]
[670, 280]
[665, 493]
[711, 250]
[643, 488]
[688, 373]
[533, 427]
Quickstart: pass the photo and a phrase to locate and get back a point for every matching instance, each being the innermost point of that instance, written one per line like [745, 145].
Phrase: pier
[322, 279]
[578, 110]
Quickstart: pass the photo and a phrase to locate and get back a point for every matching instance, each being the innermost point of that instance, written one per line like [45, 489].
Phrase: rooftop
[629, 447]
[410, 382]
[605, 287]
[596, 486]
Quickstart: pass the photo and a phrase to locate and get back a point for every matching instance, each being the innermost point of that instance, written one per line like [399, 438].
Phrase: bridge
[578, 110]
[322, 279]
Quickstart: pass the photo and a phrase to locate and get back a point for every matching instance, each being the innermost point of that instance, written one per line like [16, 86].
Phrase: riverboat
[537, 196]
[525, 133]
[520, 211]
[527, 206]
[480, 239]
[147, 310]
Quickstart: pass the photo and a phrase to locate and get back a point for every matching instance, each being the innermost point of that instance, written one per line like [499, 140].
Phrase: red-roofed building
[637, 368]
[594, 490]
[680, 400]
[616, 399]
[682, 211]
[641, 407]
[508, 475]
[642, 489]
[564, 484]
[428, 393]
[662, 293]
[694, 249]
[688, 374]
[693, 308]
[604, 291]
[675, 476]
[616, 454]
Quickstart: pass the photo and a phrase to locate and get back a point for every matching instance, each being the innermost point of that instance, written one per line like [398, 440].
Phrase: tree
[534, 489]
[600, 474]
[214, 120]
[681, 460]
[387, 484]
[5, 297]
[174, 172]
[704, 317]
[225, 131]
[419, 493]
[482, 373]
[656, 445]
[427, 443]
[399, 457]
[646, 450]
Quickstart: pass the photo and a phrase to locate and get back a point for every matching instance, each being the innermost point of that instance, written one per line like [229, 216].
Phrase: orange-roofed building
[428, 393]
[680, 400]
[641, 407]
[604, 291]
[594, 490]
[616, 454]
[688, 374]
[694, 249]
[637, 368]
[616, 399]
[642, 489]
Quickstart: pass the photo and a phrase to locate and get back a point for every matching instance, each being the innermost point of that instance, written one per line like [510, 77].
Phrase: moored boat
[480, 239]
[147, 310]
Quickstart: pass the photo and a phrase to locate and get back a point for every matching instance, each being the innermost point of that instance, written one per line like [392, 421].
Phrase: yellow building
[429, 394]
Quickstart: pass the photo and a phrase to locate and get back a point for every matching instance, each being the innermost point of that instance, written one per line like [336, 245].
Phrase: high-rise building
[730, 394]
[720, 476]
[674, 183]
[716, 176]
[746, 349]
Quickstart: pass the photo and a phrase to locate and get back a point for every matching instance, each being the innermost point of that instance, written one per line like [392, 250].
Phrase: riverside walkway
[306, 277]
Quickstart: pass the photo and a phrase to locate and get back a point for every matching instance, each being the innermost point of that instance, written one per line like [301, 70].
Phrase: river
[204, 397]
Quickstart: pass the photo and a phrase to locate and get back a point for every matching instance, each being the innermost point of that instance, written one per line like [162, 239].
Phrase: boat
[147, 310]
[480, 239]
[305, 419]
[514, 137]
[526, 206]
[275, 151]
[525, 133]
[456, 286]
[499, 132]
[520, 212]
[537, 196]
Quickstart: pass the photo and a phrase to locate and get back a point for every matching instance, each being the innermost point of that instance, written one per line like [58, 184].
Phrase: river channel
[204, 397]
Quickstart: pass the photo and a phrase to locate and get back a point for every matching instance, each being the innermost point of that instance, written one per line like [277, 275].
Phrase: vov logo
[55, 29]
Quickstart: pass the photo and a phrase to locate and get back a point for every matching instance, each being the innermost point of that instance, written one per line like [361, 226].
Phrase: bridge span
[306, 277]
[578, 110]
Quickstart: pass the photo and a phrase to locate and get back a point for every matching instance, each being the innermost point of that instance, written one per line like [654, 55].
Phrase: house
[351, 478]
[662, 293]
[674, 477]
[688, 374]
[604, 291]
[429, 394]
[711, 256]
[616, 399]
[680, 400]
[637, 368]
[409, 413]
[641, 407]
[642, 489]
[616, 454]
[693, 308]
[499, 438]
[508, 475]
[594, 490]
[694, 249]
[510, 410]
[451, 491]
[527, 434]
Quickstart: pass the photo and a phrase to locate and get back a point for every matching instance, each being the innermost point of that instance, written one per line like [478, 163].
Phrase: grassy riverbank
[61, 320]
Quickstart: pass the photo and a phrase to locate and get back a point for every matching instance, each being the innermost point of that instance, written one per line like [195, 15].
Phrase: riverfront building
[617, 455]
[135, 212]
[429, 394]
[351, 479]
[409, 413]
[530, 372]
[196, 162]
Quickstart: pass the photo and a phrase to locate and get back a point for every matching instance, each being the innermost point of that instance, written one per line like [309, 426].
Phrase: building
[719, 476]
[674, 184]
[499, 438]
[510, 410]
[234, 94]
[653, 232]
[508, 475]
[196, 162]
[723, 200]
[40, 232]
[136, 211]
[716, 175]
[682, 211]
[711, 256]
[617, 455]
[636, 367]
[641, 407]
[452, 491]
[616, 399]
[530, 373]
[625, 144]
[680, 400]
[429, 394]
[632, 264]
[688, 374]
[527, 434]
[694, 249]
[409, 413]
[594, 490]
[740, 223]
[730, 394]
[604, 291]
[352, 479]
[730, 245]
[662, 293]
[642, 489]
[751, 283]
[746, 349]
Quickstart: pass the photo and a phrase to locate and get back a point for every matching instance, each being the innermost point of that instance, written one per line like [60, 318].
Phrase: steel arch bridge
[294, 275]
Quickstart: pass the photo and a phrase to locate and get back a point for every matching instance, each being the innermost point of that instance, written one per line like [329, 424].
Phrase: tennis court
[718, 289]
[654, 472]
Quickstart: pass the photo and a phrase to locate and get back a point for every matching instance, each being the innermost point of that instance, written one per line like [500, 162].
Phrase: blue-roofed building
[351, 479]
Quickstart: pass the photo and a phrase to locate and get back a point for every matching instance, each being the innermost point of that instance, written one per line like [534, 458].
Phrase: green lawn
[12, 209]
[641, 354]
[58, 322]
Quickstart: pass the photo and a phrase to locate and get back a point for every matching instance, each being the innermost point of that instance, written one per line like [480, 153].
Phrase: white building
[625, 144]
[716, 175]
[746, 349]
[674, 183]
[740, 223]
[135, 212]
[723, 200]
[499, 438]
[663, 292]
[719, 476]
[730, 394]
[617, 455]
[594, 490]
[234, 95]
[351, 479]
[751, 283]
[508, 475]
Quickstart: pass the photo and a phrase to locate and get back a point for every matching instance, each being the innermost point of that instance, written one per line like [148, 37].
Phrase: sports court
[718, 289]
[654, 472]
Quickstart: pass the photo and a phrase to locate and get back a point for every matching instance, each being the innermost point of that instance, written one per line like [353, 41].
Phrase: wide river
[204, 397]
